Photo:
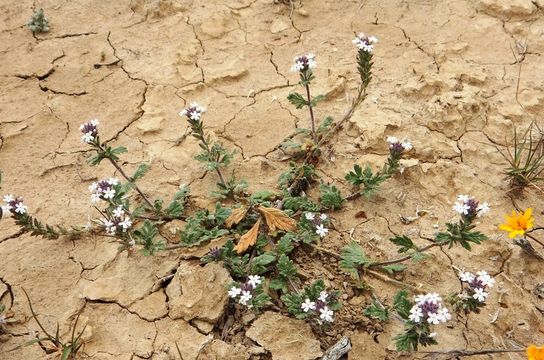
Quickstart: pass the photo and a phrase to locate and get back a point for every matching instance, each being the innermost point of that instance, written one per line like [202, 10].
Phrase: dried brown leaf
[248, 239]
[277, 219]
[235, 217]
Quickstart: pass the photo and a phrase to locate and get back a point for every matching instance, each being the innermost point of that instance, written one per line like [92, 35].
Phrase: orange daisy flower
[518, 223]
[535, 353]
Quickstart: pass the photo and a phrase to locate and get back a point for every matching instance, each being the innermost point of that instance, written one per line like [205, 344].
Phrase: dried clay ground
[456, 77]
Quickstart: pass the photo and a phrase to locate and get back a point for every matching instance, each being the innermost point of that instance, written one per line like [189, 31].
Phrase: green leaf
[376, 311]
[331, 198]
[286, 268]
[140, 172]
[325, 125]
[401, 304]
[404, 243]
[393, 268]
[353, 256]
[285, 245]
[259, 264]
[297, 100]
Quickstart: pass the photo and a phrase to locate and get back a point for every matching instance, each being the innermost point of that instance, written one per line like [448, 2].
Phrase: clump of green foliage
[38, 23]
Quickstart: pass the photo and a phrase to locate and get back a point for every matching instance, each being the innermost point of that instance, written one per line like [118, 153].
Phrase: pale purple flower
[303, 63]
[365, 43]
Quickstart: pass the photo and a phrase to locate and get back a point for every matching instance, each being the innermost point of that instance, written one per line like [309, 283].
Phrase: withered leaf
[277, 219]
[235, 216]
[248, 239]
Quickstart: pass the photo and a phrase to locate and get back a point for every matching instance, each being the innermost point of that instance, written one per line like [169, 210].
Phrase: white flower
[109, 193]
[310, 216]
[93, 187]
[323, 217]
[304, 62]
[20, 208]
[432, 335]
[485, 278]
[415, 314]
[321, 230]
[126, 223]
[461, 208]
[118, 212]
[87, 137]
[480, 295]
[323, 296]
[8, 198]
[365, 43]
[483, 209]
[444, 314]
[392, 140]
[94, 122]
[307, 305]
[234, 291]
[463, 198]
[6, 209]
[245, 298]
[466, 276]
[113, 181]
[434, 318]
[254, 280]
[95, 198]
[420, 299]
[326, 314]
[434, 298]
[406, 144]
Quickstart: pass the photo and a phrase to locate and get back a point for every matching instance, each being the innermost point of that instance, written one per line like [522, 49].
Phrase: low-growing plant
[38, 23]
[51, 344]
[525, 158]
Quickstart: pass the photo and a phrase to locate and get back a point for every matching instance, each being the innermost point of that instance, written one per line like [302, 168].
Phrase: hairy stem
[404, 258]
[221, 178]
[312, 119]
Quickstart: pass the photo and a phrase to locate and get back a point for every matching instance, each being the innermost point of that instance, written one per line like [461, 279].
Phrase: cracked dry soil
[455, 77]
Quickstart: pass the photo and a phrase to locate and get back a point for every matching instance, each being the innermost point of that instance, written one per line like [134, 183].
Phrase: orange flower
[535, 353]
[518, 223]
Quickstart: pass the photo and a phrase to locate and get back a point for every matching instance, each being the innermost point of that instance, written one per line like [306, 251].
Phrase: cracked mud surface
[453, 76]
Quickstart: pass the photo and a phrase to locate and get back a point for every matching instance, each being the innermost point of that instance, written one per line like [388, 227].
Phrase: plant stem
[459, 353]
[221, 178]
[402, 259]
[312, 119]
[127, 178]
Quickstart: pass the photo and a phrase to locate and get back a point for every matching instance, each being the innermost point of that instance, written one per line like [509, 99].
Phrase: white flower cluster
[13, 205]
[193, 112]
[468, 206]
[304, 62]
[429, 308]
[118, 222]
[402, 144]
[477, 284]
[244, 293]
[89, 130]
[319, 306]
[103, 189]
[365, 43]
[320, 228]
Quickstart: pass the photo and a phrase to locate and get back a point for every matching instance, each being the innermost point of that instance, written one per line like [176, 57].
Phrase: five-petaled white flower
[20, 208]
[480, 295]
[234, 291]
[254, 280]
[323, 217]
[434, 318]
[461, 208]
[321, 230]
[310, 216]
[415, 314]
[245, 298]
[118, 212]
[466, 276]
[444, 314]
[8, 198]
[126, 224]
[483, 209]
[109, 193]
[326, 314]
[307, 305]
[434, 298]
[323, 296]
[485, 278]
